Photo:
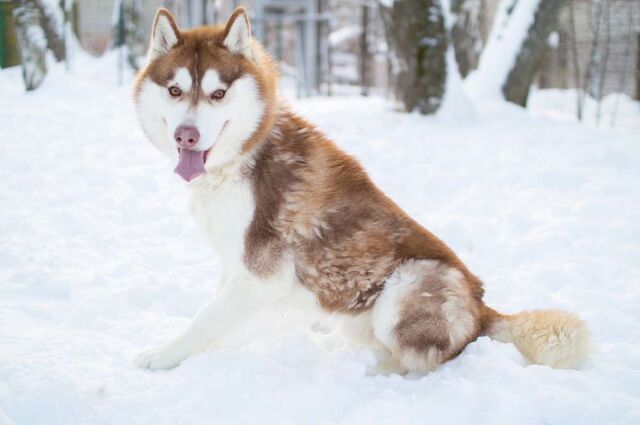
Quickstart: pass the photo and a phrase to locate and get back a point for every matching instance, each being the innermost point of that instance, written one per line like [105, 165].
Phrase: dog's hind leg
[425, 316]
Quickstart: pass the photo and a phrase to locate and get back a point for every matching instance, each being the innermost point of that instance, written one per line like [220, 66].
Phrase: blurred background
[362, 46]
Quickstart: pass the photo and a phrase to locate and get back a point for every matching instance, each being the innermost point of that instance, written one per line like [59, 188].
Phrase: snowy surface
[99, 259]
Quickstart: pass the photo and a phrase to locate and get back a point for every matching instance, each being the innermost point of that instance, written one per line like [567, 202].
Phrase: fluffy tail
[548, 337]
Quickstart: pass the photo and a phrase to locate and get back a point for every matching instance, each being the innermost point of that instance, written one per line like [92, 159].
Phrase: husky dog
[292, 217]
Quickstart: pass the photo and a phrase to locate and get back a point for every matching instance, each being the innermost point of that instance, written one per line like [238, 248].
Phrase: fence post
[638, 69]
[364, 51]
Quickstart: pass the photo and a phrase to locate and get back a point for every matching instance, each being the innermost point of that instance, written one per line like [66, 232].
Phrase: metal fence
[596, 48]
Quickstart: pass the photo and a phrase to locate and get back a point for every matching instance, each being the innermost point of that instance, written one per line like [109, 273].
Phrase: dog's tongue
[191, 164]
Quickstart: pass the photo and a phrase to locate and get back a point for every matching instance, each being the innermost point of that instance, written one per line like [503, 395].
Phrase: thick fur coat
[294, 218]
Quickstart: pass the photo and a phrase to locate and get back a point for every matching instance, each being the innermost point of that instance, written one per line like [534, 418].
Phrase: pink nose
[187, 136]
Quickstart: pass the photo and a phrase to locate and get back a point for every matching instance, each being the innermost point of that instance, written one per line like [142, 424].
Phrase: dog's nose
[187, 136]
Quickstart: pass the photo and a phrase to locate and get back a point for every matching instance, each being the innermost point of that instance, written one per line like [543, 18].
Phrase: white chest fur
[223, 207]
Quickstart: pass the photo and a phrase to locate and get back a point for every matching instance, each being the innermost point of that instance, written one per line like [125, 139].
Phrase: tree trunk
[52, 22]
[466, 33]
[40, 27]
[417, 40]
[577, 80]
[529, 57]
[638, 70]
[32, 43]
[364, 52]
[133, 32]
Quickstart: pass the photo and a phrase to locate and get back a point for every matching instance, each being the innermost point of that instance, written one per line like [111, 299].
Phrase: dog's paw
[388, 366]
[156, 358]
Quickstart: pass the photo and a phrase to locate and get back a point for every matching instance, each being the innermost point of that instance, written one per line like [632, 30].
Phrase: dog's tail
[548, 337]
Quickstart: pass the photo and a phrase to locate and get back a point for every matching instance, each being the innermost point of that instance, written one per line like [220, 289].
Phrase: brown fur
[316, 205]
[345, 235]
[202, 48]
[422, 322]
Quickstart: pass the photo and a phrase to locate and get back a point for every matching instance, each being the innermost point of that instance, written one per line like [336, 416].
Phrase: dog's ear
[237, 34]
[164, 34]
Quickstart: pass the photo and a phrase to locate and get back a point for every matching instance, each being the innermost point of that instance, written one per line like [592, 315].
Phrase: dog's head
[206, 94]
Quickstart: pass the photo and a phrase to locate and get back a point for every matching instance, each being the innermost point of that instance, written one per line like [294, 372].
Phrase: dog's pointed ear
[237, 34]
[164, 34]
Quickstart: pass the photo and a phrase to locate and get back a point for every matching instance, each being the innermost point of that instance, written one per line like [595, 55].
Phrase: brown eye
[218, 94]
[175, 91]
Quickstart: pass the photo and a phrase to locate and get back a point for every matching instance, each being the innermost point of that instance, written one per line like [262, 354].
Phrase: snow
[100, 259]
[511, 24]
[617, 109]
[455, 103]
[36, 36]
[53, 12]
[344, 34]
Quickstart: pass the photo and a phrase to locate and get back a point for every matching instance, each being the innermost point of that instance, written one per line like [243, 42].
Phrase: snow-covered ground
[99, 259]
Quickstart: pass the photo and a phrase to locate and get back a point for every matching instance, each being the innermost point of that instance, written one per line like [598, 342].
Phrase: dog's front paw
[157, 358]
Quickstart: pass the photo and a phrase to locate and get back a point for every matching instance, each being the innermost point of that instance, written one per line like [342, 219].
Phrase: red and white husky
[294, 218]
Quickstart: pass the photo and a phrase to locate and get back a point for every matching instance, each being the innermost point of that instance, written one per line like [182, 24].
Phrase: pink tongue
[191, 164]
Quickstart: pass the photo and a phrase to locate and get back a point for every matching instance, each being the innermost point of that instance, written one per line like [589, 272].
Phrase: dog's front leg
[232, 305]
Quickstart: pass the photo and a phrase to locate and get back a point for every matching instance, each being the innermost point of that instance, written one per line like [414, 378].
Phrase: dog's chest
[224, 208]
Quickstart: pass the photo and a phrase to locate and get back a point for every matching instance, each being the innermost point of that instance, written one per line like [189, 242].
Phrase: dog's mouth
[191, 162]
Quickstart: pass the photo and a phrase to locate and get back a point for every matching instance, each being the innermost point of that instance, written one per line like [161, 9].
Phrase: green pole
[3, 39]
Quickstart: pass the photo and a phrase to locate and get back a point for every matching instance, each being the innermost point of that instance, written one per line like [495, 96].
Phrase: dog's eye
[175, 91]
[218, 94]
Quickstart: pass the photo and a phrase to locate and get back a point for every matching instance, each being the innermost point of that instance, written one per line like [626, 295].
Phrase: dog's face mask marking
[199, 96]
